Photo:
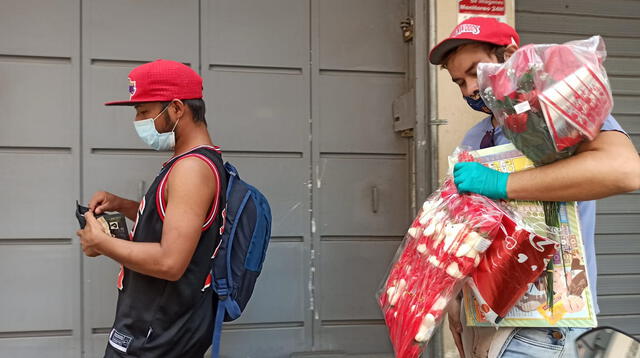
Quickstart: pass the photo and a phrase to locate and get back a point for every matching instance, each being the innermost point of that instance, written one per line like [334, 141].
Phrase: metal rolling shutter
[618, 218]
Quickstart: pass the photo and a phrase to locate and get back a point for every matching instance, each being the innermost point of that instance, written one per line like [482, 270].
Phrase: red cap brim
[437, 54]
[122, 103]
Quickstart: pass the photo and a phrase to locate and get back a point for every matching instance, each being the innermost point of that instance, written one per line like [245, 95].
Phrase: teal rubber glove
[473, 177]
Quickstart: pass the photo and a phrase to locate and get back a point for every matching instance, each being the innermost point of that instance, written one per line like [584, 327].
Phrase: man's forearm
[143, 257]
[128, 208]
[589, 175]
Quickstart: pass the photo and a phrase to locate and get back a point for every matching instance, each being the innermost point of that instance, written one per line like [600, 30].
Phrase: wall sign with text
[487, 8]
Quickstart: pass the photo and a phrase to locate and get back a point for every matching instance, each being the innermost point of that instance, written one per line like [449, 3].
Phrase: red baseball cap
[475, 29]
[161, 81]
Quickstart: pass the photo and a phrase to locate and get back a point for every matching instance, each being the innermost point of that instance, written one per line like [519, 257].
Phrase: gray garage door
[618, 218]
[40, 280]
[299, 96]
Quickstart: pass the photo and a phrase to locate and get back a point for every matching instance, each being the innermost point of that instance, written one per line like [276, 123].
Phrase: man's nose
[472, 87]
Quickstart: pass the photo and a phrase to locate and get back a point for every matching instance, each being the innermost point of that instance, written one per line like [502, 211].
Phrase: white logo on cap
[466, 28]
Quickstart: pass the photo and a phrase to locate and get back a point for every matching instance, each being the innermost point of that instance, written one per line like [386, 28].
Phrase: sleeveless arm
[190, 191]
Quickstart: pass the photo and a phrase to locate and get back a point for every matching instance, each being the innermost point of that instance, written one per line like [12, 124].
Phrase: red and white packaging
[566, 83]
[451, 237]
[515, 259]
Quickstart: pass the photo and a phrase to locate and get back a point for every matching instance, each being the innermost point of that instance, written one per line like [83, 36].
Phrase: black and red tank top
[160, 318]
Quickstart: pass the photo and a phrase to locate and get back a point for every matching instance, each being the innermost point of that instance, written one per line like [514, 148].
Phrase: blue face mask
[476, 103]
[146, 130]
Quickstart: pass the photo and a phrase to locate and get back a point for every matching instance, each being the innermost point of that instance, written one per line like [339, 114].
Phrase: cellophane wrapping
[456, 238]
[549, 97]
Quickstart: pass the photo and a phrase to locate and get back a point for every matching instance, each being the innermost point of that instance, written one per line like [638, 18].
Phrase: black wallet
[115, 223]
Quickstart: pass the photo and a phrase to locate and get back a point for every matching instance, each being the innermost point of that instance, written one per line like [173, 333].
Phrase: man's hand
[473, 177]
[104, 201]
[92, 236]
[90, 252]
[455, 326]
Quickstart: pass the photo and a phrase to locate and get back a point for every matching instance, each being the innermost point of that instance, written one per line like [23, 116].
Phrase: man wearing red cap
[164, 307]
[606, 166]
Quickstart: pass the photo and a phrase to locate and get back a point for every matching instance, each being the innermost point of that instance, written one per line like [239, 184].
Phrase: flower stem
[552, 219]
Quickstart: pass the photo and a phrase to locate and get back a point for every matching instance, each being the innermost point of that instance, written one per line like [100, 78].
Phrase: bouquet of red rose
[549, 98]
[443, 248]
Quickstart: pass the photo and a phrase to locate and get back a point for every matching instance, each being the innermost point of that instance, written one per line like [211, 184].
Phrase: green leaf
[526, 83]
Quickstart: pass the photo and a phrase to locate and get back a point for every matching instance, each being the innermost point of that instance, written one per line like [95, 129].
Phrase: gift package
[561, 295]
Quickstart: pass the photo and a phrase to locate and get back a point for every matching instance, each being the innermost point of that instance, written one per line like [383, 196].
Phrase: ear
[509, 51]
[177, 107]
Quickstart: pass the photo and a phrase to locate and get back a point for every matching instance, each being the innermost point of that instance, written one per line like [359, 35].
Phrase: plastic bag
[515, 259]
[549, 98]
[443, 248]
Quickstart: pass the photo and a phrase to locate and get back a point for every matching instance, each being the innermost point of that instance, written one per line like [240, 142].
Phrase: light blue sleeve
[610, 124]
[473, 137]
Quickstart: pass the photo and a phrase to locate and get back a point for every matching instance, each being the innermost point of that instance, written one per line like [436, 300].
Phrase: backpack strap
[226, 305]
[232, 236]
[233, 173]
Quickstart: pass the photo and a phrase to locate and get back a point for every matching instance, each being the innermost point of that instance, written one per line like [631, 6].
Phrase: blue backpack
[242, 250]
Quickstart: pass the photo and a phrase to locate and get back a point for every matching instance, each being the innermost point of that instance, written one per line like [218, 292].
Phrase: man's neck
[195, 136]
[494, 121]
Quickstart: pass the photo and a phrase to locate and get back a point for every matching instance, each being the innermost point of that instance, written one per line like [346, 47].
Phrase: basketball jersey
[160, 318]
